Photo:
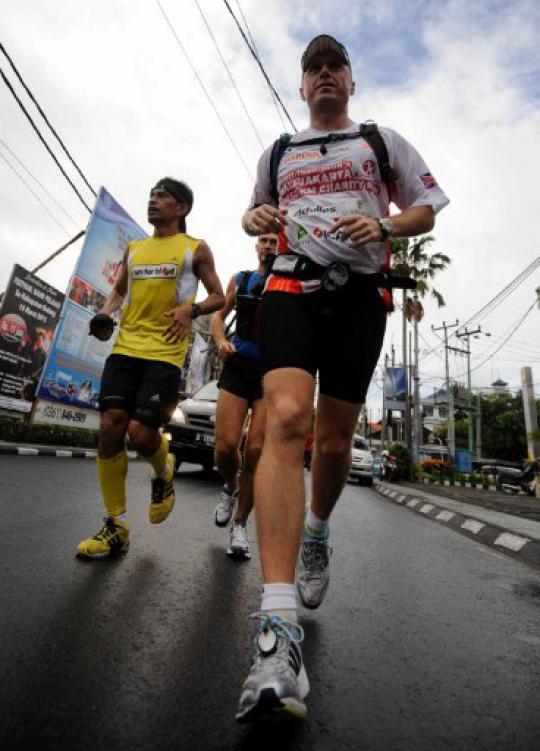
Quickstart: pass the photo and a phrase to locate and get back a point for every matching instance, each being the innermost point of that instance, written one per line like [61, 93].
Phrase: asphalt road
[427, 640]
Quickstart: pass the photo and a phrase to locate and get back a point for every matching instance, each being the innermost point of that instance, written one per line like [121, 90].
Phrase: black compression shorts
[337, 334]
[242, 376]
[146, 389]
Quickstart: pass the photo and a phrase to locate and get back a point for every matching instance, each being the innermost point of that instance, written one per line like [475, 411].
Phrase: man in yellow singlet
[156, 287]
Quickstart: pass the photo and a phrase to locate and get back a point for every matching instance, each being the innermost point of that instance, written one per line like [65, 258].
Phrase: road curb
[504, 540]
[59, 453]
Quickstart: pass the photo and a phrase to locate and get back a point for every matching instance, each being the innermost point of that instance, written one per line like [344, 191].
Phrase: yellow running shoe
[162, 495]
[112, 539]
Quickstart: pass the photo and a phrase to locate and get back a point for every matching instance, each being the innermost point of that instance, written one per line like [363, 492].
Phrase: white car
[362, 462]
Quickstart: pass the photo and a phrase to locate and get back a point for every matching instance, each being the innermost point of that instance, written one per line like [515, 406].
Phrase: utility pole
[479, 427]
[466, 334]
[450, 438]
[418, 433]
[384, 417]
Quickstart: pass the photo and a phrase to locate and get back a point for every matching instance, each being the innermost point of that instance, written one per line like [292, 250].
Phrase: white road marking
[426, 508]
[23, 451]
[510, 541]
[471, 525]
[445, 516]
[413, 503]
[64, 454]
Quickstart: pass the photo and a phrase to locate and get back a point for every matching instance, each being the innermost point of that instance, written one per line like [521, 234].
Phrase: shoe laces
[108, 531]
[316, 554]
[239, 532]
[280, 627]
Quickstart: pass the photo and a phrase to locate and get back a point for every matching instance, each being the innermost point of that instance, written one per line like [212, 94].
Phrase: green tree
[503, 427]
[413, 259]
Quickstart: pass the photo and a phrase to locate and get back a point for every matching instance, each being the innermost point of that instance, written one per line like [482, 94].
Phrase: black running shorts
[242, 376]
[146, 389]
[336, 334]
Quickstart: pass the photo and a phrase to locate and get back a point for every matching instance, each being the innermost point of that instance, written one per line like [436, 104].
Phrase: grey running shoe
[224, 510]
[277, 682]
[239, 546]
[313, 575]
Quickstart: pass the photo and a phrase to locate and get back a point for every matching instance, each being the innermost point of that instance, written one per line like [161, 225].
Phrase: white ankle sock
[280, 599]
[315, 526]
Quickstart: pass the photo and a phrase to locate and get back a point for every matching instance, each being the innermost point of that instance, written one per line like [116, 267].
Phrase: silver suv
[362, 462]
[191, 429]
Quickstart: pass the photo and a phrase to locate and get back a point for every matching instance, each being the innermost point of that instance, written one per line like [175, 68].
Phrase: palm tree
[415, 261]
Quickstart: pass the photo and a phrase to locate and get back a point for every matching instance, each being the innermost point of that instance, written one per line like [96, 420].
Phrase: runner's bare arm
[262, 219]
[181, 316]
[359, 229]
[115, 298]
[217, 322]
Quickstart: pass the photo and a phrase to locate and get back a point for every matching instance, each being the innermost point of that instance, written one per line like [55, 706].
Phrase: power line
[490, 306]
[44, 116]
[35, 179]
[32, 191]
[492, 355]
[43, 141]
[230, 75]
[252, 40]
[203, 87]
[257, 59]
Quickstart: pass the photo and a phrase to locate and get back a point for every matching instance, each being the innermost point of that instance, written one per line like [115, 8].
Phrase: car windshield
[207, 393]
[360, 443]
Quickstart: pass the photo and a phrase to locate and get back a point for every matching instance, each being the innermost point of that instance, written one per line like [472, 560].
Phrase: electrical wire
[32, 191]
[259, 63]
[492, 355]
[42, 139]
[231, 78]
[252, 40]
[44, 116]
[203, 87]
[38, 182]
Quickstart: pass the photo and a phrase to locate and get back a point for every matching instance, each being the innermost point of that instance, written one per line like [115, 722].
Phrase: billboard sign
[28, 316]
[72, 374]
[395, 388]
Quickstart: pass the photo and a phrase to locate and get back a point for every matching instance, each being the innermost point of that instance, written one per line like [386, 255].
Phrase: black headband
[177, 189]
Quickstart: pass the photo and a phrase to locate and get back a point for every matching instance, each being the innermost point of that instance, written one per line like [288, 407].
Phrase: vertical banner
[70, 384]
[197, 364]
[28, 317]
[395, 388]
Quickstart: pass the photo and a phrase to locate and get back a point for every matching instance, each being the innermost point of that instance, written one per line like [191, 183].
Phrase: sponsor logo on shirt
[301, 234]
[310, 210]
[154, 271]
[428, 180]
[328, 234]
[369, 167]
[300, 156]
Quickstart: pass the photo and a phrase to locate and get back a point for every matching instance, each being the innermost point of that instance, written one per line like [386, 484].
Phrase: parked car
[362, 462]
[191, 429]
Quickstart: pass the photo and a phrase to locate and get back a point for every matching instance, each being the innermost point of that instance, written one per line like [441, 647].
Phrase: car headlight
[178, 417]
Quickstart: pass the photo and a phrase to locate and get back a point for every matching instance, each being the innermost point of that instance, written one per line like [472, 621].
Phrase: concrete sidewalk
[515, 535]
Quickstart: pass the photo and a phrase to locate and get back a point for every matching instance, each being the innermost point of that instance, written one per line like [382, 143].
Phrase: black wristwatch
[195, 310]
[385, 225]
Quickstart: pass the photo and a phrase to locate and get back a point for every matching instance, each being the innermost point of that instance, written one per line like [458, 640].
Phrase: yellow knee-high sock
[112, 478]
[159, 459]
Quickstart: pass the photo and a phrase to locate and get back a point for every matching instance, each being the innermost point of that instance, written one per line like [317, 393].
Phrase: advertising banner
[72, 373]
[28, 316]
[395, 388]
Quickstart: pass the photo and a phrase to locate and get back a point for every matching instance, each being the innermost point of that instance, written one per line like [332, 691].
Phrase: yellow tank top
[160, 277]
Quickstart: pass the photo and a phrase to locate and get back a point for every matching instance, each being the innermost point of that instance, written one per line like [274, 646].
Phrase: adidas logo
[154, 398]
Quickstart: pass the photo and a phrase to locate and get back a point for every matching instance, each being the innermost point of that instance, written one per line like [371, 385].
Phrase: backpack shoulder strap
[372, 135]
[278, 149]
[242, 281]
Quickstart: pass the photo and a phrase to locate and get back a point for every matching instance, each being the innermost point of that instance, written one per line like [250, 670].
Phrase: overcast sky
[460, 80]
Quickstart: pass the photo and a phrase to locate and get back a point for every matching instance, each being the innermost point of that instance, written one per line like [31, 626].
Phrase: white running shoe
[239, 546]
[313, 575]
[277, 682]
[225, 507]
